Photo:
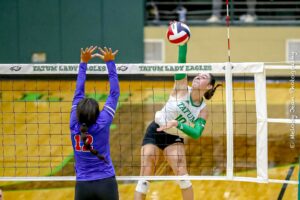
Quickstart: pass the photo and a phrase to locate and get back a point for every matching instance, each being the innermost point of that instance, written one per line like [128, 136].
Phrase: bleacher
[267, 12]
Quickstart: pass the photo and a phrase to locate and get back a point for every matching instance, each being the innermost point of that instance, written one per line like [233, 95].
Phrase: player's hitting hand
[87, 54]
[107, 54]
[170, 124]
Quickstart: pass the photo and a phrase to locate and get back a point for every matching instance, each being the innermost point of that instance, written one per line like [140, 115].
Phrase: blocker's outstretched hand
[87, 54]
[107, 54]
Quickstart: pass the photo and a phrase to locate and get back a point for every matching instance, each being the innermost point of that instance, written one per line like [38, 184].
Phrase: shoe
[248, 18]
[213, 19]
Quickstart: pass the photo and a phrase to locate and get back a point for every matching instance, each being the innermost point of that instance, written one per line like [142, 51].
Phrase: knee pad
[142, 186]
[184, 184]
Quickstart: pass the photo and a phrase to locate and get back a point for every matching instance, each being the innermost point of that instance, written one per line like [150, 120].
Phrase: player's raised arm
[112, 100]
[181, 81]
[85, 56]
[179, 34]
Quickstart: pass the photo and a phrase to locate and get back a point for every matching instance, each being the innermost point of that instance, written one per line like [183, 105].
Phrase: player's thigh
[150, 153]
[175, 155]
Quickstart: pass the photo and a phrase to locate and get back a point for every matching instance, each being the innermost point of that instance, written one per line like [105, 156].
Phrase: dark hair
[87, 111]
[87, 114]
[87, 144]
[210, 93]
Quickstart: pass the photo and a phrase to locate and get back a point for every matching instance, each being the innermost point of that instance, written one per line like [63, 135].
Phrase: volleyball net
[250, 133]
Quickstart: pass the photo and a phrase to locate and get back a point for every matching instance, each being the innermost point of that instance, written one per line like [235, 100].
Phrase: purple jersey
[88, 166]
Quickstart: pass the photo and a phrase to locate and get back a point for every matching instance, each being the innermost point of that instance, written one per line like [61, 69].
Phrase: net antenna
[228, 29]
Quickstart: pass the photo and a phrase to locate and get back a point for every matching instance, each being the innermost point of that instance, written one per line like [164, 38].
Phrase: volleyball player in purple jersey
[95, 174]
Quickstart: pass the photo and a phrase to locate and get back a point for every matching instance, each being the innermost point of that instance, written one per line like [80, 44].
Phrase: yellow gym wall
[248, 44]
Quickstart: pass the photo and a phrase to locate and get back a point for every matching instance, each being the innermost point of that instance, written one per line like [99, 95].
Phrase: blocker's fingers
[101, 50]
[98, 55]
[90, 48]
[114, 53]
[102, 57]
[93, 49]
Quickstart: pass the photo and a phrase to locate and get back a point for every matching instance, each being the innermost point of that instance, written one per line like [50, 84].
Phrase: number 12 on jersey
[79, 143]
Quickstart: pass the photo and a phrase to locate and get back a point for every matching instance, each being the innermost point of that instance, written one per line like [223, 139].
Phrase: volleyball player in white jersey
[184, 113]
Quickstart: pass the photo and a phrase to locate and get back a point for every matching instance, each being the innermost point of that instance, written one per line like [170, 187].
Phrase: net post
[261, 126]
[229, 121]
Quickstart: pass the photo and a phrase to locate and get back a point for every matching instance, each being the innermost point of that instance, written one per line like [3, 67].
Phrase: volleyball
[178, 33]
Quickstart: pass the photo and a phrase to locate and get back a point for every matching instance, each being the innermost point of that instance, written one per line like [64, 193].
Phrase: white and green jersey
[183, 110]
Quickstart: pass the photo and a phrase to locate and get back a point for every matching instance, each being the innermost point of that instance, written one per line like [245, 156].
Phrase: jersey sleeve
[194, 132]
[79, 91]
[182, 53]
[110, 106]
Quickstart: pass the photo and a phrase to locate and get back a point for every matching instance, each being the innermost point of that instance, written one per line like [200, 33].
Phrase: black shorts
[103, 189]
[160, 139]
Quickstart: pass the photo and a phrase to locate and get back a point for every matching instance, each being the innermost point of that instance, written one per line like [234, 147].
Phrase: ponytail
[210, 93]
[83, 130]
[87, 144]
